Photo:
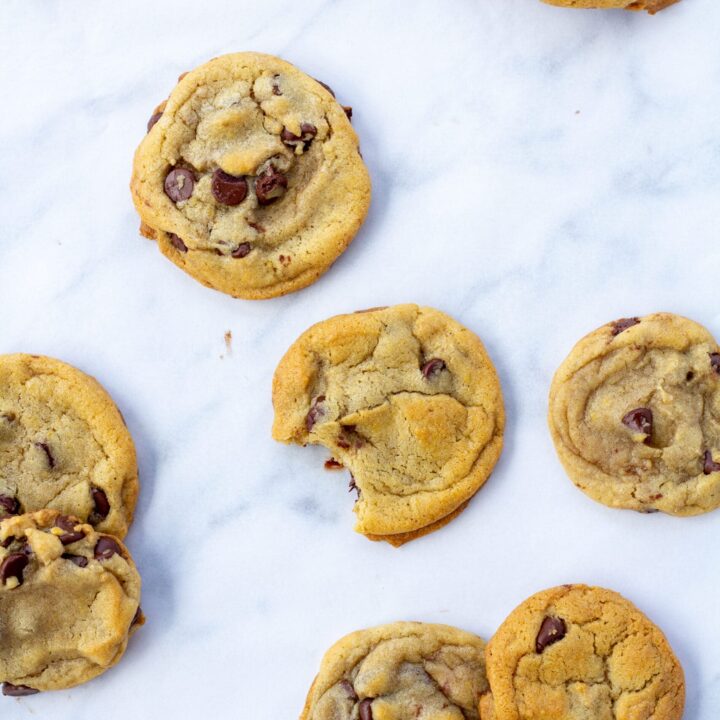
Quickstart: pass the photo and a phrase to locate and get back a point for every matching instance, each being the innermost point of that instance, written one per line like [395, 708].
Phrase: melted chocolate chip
[177, 243]
[228, 189]
[365, 709]
[333, 464]
[101, 505]
[153, 119]
[17, 690]
[48, 454]
[348, 111]
[639, 420]
[326, 86]
[709, 465]
[257, 227]
[307, 133]
[623, 324]
[552, 630]
[68, 524]
[270, 186]
[8, 506]
[80, 560]
[13, 566]
[432, 367]
[7, 542]
[276, 87]
[315, 413]
[715, 362]
[242, 250]
[179, 184]
[106, 547]
[349, 689]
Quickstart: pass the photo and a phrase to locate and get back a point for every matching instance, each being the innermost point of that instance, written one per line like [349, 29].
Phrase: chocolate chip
[68, 524]
[242, 250]
[432, 367]
[8, 506]
[228, 189]
[349, 689]
[348, 111]
[715, 362]
[80, 560]
[353, 486]
[13, 566]
[153, 119]
[639, 420]
[101, 503]
[7, 542]
[179, 184]
[333, 464]
[327, 87]
[623, 324]
[18, 690]
[257, 227]
[9, 416]
[307, 133]
[276, 87]
[552, 630]
[138, 618]
[177, 243]
[689, 375]
[315, 413]
[709, 465]
[48, 454]
[270, 186]
[106, 547]
[365, 709]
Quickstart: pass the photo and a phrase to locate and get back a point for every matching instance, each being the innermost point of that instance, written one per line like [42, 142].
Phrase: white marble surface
[536, 173]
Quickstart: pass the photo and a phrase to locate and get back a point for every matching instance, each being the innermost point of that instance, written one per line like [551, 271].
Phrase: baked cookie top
[404, 397]
[403, 671]
[582, 653]
[250, 177]
[69, 597]
[635, 415]
[63, 445]
[651, 6]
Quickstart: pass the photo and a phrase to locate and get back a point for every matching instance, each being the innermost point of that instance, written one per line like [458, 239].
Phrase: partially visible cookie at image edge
[634, 413]
[581, 653]
[63, 445]
[651, 6]
[69, 600]
[401, 670]
[250, 178]
[407, 400]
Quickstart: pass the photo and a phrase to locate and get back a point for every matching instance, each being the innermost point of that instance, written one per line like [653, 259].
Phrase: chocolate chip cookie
[63, 445]
[405, 398]
[651, 6]
[635, 415]
[581, 653]
[250, 177]
[69, 599]
[403, 671]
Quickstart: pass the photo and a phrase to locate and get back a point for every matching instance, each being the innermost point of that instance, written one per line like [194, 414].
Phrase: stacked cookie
[69, 590]
[408, 400]
[568, 653]
[651, 6]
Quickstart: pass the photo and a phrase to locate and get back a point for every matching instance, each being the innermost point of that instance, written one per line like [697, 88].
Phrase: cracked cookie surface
[651, 6]
[69, 598]
[404, 397]
[401, 671]
[250, 177]
[635, 415]
[581, 653]
[63, 445]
